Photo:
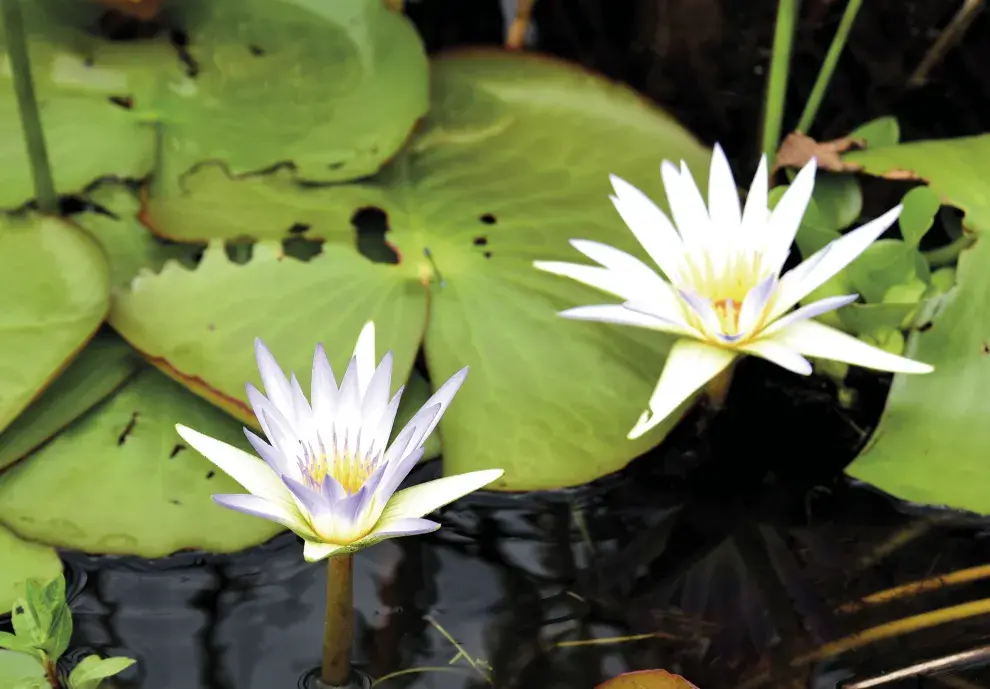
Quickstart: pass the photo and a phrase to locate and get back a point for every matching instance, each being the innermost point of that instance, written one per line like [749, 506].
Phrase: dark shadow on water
[724, 556]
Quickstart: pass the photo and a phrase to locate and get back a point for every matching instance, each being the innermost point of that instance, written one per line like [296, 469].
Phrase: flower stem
[773, 111]
[829, 65]
[27, 103]
[948, 254]
[717, 389]
[338, 632]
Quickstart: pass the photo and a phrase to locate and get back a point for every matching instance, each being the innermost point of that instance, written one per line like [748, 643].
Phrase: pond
[738, 553]
[724, 557]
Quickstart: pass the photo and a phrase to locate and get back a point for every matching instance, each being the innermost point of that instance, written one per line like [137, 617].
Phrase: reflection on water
[523, 584]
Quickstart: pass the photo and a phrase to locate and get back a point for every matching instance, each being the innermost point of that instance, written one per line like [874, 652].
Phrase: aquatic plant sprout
[328, 473]
[724, 292]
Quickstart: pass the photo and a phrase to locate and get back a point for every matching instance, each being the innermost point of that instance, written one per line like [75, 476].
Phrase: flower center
[727, 311]
[349, 469]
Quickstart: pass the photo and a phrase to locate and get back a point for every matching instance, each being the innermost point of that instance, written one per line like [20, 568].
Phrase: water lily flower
[724, 293]
[327, 471]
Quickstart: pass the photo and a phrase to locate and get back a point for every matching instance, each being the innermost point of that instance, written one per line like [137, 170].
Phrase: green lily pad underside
[511, 163]
[23, 560]
[930, 446]
[102, 366]
[55, 296]
[120, 480]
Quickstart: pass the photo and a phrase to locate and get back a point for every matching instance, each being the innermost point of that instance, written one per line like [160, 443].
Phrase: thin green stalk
[34, 137]
[338, 630]
[783, 40]
[949, 254]
[829, 65]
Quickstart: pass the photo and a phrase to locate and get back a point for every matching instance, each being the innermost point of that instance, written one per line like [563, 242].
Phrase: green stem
[338, 630]
[945, 255]
[34, 137]
[783, 40]
[829, 65]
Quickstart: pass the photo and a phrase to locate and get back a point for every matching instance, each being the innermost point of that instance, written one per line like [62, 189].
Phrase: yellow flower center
[728, 315]
[348, 469]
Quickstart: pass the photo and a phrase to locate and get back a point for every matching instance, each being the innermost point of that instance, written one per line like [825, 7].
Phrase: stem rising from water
[338, 632]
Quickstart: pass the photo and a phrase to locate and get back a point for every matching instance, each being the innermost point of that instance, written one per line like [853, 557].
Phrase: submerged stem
[27, 104]
[338, 632]
[773, 110]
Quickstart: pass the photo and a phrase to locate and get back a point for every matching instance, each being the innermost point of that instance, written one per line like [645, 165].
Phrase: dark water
[721, 587]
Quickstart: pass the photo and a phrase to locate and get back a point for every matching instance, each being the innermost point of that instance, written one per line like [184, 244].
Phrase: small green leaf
[39, 609]
[943, 280]
[920, 206]
[61, 632]
[11, 642]
[21, 671]
[885, 263]
[883, 131]
[92, 670]
[838, 200]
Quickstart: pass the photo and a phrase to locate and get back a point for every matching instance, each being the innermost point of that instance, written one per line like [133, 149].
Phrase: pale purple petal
[755, 303]
[273, 378]
[333, 492]
[324, 387]
[704, 310]
[268, 453]
[282, 436]
[375, 403]
[396, 473]
[259, 507]
[812, 310]
[383, 428]
[409, 526]
[313, 500]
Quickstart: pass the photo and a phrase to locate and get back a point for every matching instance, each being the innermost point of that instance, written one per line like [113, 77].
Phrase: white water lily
[328, 473]
[724, 292]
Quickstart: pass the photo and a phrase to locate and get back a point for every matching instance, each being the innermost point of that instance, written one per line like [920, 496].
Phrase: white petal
[324, 387]
[812, 310]
[273, 378]
[650, 225]
[383, 429]
[650, 284]
[756, 214]
[364, 352]
[818, 340]
[619, 284]
[786, 218]
[686, 207]
[421, 500]
[640, 316]
[427, 418]
[689, 366]
[375, 403]
[723, 197]
[825, 263]
[314, 551]
[249, 471]
[776, 353]
[755, 303]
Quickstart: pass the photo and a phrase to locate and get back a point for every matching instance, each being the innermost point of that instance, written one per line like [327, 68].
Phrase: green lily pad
[334, 88]
[511, 163]
[121, 481]
[127, 244]
[55, 296]
[930, 446]
[23, 560]
[104, 365]
[883, 131]
[88, 134]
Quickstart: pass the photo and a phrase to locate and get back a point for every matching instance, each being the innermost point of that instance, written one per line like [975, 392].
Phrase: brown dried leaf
[139, 9]
[797, 149]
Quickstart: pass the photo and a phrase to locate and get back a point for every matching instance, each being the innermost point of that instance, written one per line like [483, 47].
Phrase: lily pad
[104, 365]
[55, 296]
[90, 130]
[512, 161]
[128, 245]
[647, 679]
[120, 481]
[331, 88]
[23, 560]
[930, 446]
